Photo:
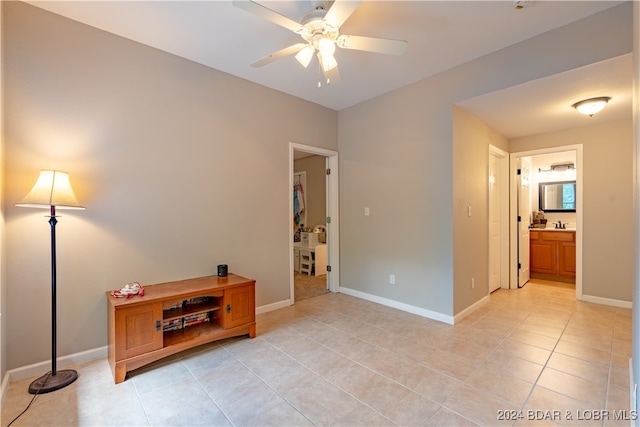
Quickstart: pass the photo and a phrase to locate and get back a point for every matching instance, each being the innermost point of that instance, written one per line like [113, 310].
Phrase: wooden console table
[175, 316]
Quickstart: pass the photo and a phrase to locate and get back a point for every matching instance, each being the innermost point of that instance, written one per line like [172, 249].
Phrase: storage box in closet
[308, 239]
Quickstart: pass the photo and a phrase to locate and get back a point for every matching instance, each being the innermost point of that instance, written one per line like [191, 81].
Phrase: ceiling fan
[320, 29]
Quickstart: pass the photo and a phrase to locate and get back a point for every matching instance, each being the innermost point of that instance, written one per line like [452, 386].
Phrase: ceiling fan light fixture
[326, 47]
[591, 106]
[305, 56]
[327, 62]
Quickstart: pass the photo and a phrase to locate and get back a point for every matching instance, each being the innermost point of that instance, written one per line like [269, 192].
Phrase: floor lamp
[51, 190]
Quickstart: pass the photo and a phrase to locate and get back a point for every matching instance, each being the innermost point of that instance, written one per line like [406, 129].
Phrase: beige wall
[471, 140]
[397, 158]
[607, 167]
[180, 167]
[316, 190]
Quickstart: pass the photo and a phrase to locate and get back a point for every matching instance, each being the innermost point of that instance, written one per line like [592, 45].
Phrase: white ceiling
[440, 34]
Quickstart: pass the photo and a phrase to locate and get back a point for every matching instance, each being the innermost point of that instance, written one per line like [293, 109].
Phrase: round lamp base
[48, 383]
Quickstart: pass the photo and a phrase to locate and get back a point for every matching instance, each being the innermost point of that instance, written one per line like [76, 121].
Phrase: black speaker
[222, 270]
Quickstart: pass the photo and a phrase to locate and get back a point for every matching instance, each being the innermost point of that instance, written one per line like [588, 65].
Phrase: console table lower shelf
[176, 316]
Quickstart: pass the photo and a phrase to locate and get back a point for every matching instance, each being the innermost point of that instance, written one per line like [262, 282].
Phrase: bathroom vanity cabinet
[553, 255]
[175, 316]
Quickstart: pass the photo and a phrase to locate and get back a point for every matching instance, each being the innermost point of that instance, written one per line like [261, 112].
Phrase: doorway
[515, 159]
[498, 219]
[328, 256]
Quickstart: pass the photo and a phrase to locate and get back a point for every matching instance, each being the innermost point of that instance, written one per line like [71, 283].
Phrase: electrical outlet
[366, 211]
[473, 283]
[392, 279]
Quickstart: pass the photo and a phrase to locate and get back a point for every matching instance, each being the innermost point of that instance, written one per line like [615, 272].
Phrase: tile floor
[534, 356]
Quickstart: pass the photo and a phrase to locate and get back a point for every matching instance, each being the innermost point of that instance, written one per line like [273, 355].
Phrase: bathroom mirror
[557, 196]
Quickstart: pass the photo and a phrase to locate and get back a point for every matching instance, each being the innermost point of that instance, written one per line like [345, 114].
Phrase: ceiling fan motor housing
[315, 25]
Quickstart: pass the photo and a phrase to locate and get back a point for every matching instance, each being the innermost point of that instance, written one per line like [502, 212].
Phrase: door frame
[333, 227]
[503, 158]
[513, 210]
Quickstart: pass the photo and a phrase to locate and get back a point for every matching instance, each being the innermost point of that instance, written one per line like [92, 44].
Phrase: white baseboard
[5, 387]
[399, 305]
[270, 307]
[42, 368]
[473, 307]
[607, 301]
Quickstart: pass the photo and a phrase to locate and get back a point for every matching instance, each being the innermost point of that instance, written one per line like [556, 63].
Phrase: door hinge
[158, 325]
[519, 266]
[519, 218]
[328, 171]
[328, 220]
[328, 268]
[519, 172]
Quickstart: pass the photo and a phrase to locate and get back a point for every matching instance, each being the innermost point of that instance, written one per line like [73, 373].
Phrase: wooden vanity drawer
[562, 236]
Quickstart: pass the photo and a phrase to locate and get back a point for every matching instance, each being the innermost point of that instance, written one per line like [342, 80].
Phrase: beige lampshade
[52, 188]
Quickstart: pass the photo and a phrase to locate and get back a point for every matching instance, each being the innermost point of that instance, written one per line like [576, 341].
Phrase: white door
[524, 212]
[495, 219]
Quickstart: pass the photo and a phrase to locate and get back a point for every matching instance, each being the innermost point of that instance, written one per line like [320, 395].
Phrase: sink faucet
[560, 225]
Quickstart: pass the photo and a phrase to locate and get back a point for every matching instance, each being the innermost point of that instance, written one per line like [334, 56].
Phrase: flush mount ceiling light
[591, 106]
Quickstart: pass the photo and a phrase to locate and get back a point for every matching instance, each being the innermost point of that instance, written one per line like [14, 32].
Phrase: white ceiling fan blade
[372, 44]
[268, 14]
[340, 11]
[279, 54]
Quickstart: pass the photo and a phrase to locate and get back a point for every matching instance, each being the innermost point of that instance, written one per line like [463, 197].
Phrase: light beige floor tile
[350, 347]
[575, 387]
[411, 410]
[526, 336]
[184, 403]
[409, 371]
[431, 384]
[227, 384]
[525, 351]
[546, 405]
[592, 371]
[247, 401]
[450, 364]
[362, 415]
[325, 362]
[500, 385]
[324, 404]
[151, 378]
[446, 418]
[480, 337]
[282, 415]
[294, 381]
[514, 366]
[619, 378]
[269, 362]
[212, 358]
[583, 352]
[472, 352]
[478, 406]
[388, 364]
[369, 387]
